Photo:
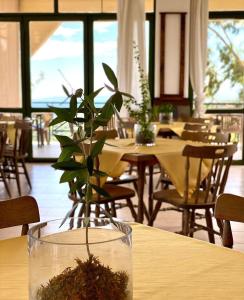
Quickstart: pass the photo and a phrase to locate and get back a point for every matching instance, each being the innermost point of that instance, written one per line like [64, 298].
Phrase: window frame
[87, 18]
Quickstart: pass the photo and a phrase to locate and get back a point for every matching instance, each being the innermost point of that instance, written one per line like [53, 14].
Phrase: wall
[171, 66]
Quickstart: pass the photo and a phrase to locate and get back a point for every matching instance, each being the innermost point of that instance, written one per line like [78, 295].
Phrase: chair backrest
[19, 211]
[125, 128]
[206, 137]
[197, 127]
[22, 136]
[195, 120]
[217, 160]
[108, 134]
[228, 208]
[3, 138]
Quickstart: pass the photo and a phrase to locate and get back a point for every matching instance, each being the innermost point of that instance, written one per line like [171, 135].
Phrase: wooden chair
[116, 193]
[19, 211]
[196, 120]
[42, 122]
[197, 127]
[204, 195]
[206, 137]
[3, 139]
[15, 156]
[228, 208]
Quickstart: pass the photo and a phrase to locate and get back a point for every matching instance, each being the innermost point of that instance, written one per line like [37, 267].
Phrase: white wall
[172, 70]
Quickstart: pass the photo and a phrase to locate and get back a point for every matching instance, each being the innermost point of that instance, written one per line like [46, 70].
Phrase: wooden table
[142, 161]
[167, 152]
[165, 266]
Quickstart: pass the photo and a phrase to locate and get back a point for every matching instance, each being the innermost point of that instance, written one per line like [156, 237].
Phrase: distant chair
[3, 139]
[228, 208]
[206, 137]
[42, 122]
[197, 127]
[203, 196]
[196, 120]
[19, 211]
[15, 156]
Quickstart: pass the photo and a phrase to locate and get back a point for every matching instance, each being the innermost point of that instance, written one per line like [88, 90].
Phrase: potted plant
[141, 112]
[166, 113]
[82, 258]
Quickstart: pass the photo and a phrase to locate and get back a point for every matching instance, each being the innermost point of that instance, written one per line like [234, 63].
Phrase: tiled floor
[53, 202]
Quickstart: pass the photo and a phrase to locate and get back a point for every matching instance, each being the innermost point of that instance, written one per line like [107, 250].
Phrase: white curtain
[198, 51]
[131, 28]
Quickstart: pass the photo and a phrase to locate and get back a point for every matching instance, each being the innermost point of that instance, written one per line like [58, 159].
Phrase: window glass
[105, 51]
[225, 69]
[57, 58]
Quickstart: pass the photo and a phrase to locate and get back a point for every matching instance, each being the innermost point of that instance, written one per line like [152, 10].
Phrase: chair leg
[192, 222]
[131, 207]
[16, 169]
[113, 210]
[154, 213]
[5, 182]
[210, 226]
[26, 173]
[185, 222]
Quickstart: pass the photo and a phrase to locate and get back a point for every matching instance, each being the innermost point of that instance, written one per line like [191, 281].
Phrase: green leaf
[55, 121]
[100, 191]
[100, 173]
[97, 148]
[89, 163]
[63, 114]
[68, 165]
[109, 88]
[127, 95]
[110, 75]
[68, 176]
[117, 100]
[73, 105]
[79, 93]
[65, 140]
[66, 91]
[69, 213]
[77, 186]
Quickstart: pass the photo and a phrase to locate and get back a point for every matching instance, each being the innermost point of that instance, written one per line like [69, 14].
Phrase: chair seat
[123, 179]
[116, 192]
[9, 152]
[173, 197]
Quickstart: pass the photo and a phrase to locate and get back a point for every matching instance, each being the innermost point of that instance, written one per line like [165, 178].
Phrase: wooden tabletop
[165, 266]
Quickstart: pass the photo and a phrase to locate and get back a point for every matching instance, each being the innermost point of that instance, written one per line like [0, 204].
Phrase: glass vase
[145, 135]
[166, 118]
[62, 265]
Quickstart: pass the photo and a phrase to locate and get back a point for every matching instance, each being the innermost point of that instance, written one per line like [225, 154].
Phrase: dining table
[167, 153]
[165, 266]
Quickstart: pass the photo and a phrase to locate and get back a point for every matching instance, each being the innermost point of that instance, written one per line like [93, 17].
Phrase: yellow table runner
[165, 266]
[167, 151]
[10, 131]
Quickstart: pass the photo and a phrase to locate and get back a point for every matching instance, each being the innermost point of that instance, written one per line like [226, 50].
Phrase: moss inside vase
[89, 280]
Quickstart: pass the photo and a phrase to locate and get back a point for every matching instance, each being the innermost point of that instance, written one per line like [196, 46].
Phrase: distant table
[167, 152]
[165, 266]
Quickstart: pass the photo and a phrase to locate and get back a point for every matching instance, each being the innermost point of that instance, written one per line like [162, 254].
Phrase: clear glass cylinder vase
[62, 265]
[145, 135]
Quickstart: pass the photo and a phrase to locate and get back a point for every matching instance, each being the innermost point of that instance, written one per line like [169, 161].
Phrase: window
[225, 69]
[57, 58]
